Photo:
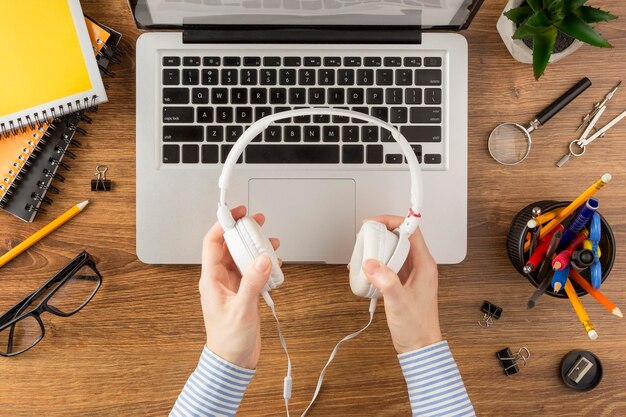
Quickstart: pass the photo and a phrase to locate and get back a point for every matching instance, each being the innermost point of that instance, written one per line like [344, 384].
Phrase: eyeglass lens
[76, 291]
[20, 336]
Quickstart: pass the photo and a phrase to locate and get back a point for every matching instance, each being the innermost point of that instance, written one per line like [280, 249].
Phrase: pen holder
[517, 237]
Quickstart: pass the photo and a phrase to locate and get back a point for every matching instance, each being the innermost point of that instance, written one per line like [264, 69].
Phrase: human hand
[230, 301]
[411, 295]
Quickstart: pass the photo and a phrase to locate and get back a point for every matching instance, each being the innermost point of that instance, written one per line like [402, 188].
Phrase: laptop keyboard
[208, 101]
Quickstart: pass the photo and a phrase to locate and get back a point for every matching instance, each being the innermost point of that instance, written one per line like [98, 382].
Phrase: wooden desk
[131, 350]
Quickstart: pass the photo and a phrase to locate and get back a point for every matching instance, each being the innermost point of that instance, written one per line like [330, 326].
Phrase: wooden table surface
[130, 351]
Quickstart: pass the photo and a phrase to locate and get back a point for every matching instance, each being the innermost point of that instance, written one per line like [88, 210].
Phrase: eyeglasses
[63, 295]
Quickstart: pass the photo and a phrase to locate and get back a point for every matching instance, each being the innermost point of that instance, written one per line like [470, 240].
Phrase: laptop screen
[439, 14]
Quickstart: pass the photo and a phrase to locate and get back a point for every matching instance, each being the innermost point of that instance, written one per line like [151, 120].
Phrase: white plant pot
[517, 48]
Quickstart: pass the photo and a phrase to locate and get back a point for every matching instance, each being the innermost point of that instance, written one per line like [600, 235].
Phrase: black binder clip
[491, 312]
[101, 183]
[510, 362]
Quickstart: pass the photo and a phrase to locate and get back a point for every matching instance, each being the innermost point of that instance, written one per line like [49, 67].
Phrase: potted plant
[543, 31]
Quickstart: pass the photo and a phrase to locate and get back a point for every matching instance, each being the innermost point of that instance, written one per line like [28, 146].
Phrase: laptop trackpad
[313, 218]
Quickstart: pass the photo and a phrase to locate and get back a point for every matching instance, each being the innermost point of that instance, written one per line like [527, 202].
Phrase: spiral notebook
[35, 87]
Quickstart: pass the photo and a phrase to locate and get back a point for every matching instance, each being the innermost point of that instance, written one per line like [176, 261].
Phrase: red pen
[564, 257]
[537, 256]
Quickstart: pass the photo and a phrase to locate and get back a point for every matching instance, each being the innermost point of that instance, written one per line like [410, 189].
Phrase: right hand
[411, 295]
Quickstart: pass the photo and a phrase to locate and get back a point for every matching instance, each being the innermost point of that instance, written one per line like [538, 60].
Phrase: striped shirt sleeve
[214, 389]
[434, 382]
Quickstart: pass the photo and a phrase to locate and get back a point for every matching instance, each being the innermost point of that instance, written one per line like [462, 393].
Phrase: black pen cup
[517, 237]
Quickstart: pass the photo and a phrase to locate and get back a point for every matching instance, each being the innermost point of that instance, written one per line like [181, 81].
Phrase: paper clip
[101, 183]
[510, 362]
[491, 312]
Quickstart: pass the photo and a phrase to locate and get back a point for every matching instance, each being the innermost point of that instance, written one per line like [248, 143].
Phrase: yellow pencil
[562, 215]
[49, 228]
[545, 218]
[580, 311]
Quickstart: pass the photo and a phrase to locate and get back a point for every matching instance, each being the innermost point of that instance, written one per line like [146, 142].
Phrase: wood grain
[130, 351]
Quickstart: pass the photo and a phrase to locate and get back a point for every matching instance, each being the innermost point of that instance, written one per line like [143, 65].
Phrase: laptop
[207, 69]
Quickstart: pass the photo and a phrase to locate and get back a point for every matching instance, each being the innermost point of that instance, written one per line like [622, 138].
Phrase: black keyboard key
[292, 133]
[413, 96]
[244, 115]
[373, 61]
[394, 158]
[239, 96]
[292, 61]
[326, 77]
[271, 61]
[297, 96]
[233, 133]
[332, 61]
[350, 133]
[393, 61]
[374, 96]
[249, 76]
[360, 109]
[219, 96]
[355, 95]
[425, 115]
[268, 77]
[171, 76]
[191, 154]
[345, 77]
[171, 61]
[417, 150]
[175, 96]
[421, 133]
[398, 115]
[200, 96]
[287, 77]
[432, 158]
[432, 96]
[183, 134]
[384, 77]
[191, 76]
[312, 133]
[204, 114]
[369, 133]
[211, 61]
[312, 61]
[224, 115]
[365, 77]
[341, 119]
[278, 95]
[428, 77]
[210, 154]
[273, 134]
[232, 61]
[258, 138]
[306, 77]
[432, 61]
[404, 77]
[210, 76]
[281, 109]
[317, 96]
[171, 154]
[374, 154]
[191, 61]
[258, 95]
[251, 61]
[352, 61]
[352, 154]
[214, 133]
[381, 113]
[226, 150]
[330, 134]
[261, 112]
[230, 77]
[412, 61]
[292, 154]
[393, 96]
[321, 118]
[177, 114]
[336, 96]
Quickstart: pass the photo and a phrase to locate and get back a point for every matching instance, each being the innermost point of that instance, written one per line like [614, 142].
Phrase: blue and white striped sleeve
[214, 389]
[434, 382]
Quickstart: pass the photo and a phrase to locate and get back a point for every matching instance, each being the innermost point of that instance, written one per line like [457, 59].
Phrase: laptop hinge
[303, 34]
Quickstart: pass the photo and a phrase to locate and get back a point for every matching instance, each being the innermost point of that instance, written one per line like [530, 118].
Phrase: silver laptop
[229, 63]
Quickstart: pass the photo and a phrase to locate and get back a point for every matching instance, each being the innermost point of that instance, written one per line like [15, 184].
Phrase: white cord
[372, 309]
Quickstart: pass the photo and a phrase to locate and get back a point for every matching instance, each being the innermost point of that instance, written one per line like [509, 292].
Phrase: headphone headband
[411, 222]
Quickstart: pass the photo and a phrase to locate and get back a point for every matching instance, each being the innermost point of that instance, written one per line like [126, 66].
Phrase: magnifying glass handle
[563, 101]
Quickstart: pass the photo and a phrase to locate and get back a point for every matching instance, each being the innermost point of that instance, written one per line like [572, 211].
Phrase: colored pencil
[580, 311]
[608, 304]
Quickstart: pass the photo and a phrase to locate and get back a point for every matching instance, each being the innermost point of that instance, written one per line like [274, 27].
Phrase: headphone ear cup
[374, 241]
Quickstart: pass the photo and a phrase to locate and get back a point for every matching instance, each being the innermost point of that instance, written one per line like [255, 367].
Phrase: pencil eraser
[606, 177]
[593, 335]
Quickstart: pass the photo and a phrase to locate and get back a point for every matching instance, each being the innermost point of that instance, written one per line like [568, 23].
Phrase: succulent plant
[542, 20]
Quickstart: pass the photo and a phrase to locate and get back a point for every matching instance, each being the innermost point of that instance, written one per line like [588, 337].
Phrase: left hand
[230, 301]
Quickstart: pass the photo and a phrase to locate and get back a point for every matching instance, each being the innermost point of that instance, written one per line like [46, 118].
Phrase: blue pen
[595, 233]
[559, 278]
[576, 225]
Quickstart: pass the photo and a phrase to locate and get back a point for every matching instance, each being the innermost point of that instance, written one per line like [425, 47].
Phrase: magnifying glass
[510, 143]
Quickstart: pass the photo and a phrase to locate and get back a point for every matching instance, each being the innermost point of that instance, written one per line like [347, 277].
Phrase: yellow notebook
[47, 64]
